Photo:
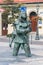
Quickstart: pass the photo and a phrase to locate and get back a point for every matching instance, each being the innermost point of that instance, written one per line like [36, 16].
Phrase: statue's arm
[27, 29]
[19, 30]
[12, 38]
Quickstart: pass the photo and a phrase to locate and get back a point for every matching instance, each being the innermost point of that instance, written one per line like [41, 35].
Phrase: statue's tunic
[22, 29]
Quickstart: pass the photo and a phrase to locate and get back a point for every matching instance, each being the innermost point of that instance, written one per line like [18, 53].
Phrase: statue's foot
[15, 54]
[29, 55]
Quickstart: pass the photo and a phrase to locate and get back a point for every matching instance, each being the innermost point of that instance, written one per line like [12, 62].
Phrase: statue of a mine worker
[20, 35]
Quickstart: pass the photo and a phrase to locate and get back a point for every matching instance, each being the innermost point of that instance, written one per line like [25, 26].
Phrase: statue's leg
[16, 49]
[21, 46]
[27, 50]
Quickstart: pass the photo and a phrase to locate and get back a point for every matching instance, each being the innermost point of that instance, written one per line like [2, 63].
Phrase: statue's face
[23, 15]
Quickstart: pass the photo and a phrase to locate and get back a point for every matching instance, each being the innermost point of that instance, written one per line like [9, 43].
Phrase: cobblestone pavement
[4, 39]
[6, 57]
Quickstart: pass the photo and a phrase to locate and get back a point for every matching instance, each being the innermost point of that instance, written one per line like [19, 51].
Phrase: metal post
[37, 32]
[31, 38]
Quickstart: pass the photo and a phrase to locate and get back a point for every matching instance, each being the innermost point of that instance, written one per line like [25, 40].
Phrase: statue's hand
[10, 45]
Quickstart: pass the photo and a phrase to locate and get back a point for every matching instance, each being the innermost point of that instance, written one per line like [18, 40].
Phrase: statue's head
[23, 15]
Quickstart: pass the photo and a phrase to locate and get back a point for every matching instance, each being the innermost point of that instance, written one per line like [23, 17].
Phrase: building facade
[33, 8]
[30, 8]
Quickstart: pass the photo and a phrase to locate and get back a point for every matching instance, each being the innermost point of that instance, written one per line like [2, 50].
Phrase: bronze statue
[20, 35]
